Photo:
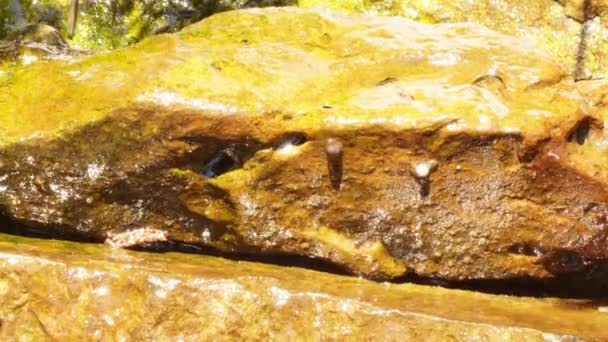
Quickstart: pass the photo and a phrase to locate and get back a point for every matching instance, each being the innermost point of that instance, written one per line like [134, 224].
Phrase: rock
[33, 43]
[114, 294]
[39, 34]
[464, 153]
[555, 26]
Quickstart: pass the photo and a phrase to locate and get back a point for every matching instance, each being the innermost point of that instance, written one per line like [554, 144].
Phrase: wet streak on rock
[334, 154]
[422, 172]
[581, 54]
[425, 187]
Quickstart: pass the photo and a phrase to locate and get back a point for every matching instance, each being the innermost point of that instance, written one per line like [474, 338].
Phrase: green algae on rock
[115, 294]
[456, 147]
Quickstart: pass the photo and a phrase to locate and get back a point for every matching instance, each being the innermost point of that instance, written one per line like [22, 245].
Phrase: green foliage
[50, 12]
[113, 24]
[5, 18]
[110, 24]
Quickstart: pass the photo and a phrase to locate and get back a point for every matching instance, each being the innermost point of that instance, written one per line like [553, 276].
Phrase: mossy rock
[459, 148]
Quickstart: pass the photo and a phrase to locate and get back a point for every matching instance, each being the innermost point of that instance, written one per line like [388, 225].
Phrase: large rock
[67, 291]
[455, 152]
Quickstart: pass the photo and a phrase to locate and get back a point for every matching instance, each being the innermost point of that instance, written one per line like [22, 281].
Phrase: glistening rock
[182, 138]
[117, 294]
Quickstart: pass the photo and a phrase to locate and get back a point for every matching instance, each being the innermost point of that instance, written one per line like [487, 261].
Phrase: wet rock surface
[384, 146]
[114, 294]
[555, 26]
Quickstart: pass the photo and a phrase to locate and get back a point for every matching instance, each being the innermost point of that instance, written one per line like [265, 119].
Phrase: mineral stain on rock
[334, 151]
[422, 172]
[466, 178]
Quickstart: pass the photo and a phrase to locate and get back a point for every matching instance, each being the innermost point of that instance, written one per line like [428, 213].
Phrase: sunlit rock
[555, 26]
[110, 294]
[464, 153]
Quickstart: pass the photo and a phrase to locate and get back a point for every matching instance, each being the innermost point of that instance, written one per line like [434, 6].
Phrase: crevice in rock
[528, 249]
[233, 155]
[556, 261]
[285, 260]
[581, 130]
[227, 159]
[385, 81]
[488, 78]
[11, 226]
[527, 153]
[564, 262]
[561, 286]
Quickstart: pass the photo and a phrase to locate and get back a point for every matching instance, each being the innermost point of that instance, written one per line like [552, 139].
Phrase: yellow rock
[51, 290]
[456, 152]
[555, 26]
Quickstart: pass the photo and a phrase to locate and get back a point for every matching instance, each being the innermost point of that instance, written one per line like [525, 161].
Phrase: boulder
[32, 43]
[53, 290]
[385, 146]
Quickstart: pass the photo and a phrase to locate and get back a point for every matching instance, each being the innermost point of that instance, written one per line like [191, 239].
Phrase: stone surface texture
[465, 153]
[51, 290]
[555, 26]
